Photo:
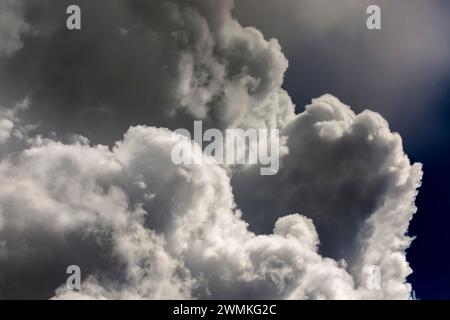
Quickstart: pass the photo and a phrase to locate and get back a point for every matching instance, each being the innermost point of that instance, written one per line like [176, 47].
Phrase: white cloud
[188, 240]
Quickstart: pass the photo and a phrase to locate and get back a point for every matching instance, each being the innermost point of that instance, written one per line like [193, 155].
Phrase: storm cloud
[148, 62]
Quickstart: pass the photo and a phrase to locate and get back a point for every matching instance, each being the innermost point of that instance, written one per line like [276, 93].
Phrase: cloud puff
[5, 130]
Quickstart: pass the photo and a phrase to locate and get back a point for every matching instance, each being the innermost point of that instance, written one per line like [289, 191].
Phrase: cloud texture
[12, 26]
[140, 226]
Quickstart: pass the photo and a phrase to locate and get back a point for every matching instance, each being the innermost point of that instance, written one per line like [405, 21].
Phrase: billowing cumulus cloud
[349, 174]
[140, 226]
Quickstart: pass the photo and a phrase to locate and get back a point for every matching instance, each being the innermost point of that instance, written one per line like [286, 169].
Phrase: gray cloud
[141, 227]
[177, 61]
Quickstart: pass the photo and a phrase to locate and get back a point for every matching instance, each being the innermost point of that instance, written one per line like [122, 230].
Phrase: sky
[86, 133]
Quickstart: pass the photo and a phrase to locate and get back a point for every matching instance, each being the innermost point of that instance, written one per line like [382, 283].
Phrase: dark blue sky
[429, 254]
